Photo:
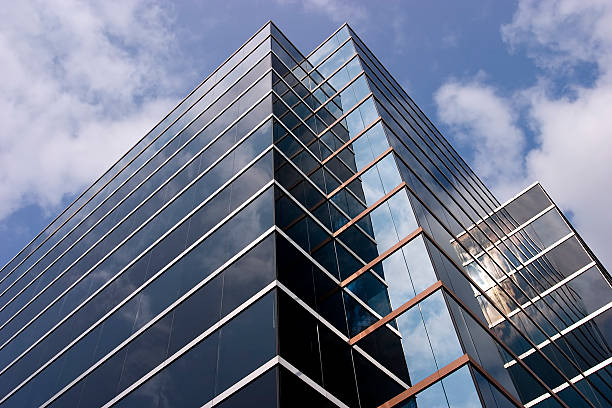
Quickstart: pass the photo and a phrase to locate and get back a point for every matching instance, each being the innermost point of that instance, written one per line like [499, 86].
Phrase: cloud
[559, 32]
[82, 82]
[338, 11]
[485, 121]
[571, 151]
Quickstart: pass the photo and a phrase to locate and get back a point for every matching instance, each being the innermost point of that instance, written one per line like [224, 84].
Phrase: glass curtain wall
[296, 230]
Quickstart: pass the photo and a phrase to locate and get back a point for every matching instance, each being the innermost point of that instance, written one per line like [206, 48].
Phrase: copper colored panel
[370, 209]
[493, 381]
[423, 295]
[357, 136]
[421, 385]
[382, 256]
[348, 112]
[360, 172]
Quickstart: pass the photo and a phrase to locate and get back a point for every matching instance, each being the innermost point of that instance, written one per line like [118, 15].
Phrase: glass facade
[297, 232]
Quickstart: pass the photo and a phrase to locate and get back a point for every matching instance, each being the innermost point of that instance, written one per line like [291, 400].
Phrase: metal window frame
[166, 161]
[161, 209]
[247, 71]
[209, 77]
[151, 279]
[459, 223]
[241, 171]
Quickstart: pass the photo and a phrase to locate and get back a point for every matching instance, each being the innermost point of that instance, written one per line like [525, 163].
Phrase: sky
[522, 89]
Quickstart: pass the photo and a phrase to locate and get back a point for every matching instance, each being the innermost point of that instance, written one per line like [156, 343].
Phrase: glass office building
[297, 233]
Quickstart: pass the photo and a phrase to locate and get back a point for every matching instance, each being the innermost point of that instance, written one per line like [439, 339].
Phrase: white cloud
[81, 83]
[559, 32]
[484, 120]
[572, 150]
[339, 11]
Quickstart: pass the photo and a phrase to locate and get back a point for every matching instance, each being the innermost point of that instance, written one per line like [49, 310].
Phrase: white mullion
[147, 178]
[574, 380]
[145, 222]
[202, 204]
[133, 294]
[141, 139]
[544, 293]
[562, 333]
[148, 160]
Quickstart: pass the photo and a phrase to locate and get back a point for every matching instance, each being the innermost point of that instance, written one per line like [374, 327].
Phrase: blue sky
[522, 89]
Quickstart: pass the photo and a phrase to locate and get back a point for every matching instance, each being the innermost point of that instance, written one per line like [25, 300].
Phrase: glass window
[329, 46]
[528, 204]
[298, 337]
[428, 337]
[592, 289]
[354, 93]
[348, 72]
[237, 357]
[187, 382]
[196, 314]
[372, 291]
[547, 229]
[567, 257]
[218, 361]
[408, 272]
[375, 387]
[369, 146]
[432, 396]
[248, 275]
[261, 392]
[460, 390]
[385, 346]
[455, 390]
[295, 392]
[337, 364]
[337, 59]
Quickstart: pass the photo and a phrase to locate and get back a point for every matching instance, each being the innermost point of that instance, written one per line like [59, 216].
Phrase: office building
[296, 232]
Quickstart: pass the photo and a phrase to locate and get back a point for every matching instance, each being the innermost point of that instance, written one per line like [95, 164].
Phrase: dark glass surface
[315, 350]
[528, 204]
[238, 357]
[135, 157]
[210, 254]
[375, 388]
[111, 265]
[337, 364]
[298, 337]
[160, 177]
[386, 347]
[191, 380]
[188, 382]
[294, 392]
[261, 392]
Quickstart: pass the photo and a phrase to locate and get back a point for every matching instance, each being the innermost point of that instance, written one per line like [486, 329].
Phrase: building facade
[297, 233]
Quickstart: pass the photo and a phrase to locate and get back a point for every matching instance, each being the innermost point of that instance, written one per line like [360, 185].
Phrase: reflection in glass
[408, 272]
[428, 337]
